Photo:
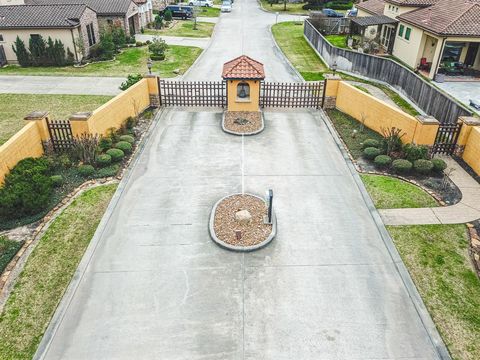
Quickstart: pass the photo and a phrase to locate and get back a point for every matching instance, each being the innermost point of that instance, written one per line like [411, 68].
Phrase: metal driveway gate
[447, 137]
[292, 95]
[194, 93]
[61, 134]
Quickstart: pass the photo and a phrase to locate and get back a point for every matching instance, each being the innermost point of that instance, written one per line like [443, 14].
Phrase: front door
[471, 54]
[131, 26]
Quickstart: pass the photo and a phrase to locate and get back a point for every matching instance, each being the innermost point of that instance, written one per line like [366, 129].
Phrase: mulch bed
[225, 225]
[243, 122]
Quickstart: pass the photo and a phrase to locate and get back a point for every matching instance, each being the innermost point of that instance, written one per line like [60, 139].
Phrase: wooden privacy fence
[61, 135]
[196, 93]
[426, 96]
[292, 95]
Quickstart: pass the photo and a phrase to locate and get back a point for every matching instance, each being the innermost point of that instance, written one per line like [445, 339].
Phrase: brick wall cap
[80, 116]
[427, 120]
[36, 115]
[332, 77]
[470, 120]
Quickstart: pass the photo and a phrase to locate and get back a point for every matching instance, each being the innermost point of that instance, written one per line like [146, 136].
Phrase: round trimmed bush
[104, 160]
[57, 180]
[382, 161]
[371, 152]
[86, 170]
[108, 171]
[116, 154]
[105, 143]
[370, 143]
[423, 166]
[126, 147]
[402, 166]
[128, 138]
[439, 165]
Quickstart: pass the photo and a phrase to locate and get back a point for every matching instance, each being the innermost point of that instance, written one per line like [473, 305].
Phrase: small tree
[158, 22]
[118, 36]
[107, 46]
[20, 50]
[38, 50]
[167, 16]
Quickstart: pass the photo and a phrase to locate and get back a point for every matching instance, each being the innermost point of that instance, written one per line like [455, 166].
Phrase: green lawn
[392, 193]
[209, 12]
[289, 36]
[338, 40]
[8, 249]
[14, 107]
[346, 125]
[48, 272]
[185, 29]
[438, 261]
[131, 60]
[280, 7]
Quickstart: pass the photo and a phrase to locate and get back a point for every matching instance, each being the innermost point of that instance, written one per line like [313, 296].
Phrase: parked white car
[226, 6]
[205, 3]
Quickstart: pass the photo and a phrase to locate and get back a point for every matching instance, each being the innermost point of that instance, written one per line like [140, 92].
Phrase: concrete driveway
[153, 285]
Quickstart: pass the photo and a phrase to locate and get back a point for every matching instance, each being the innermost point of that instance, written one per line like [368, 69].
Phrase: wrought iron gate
[293, 95]
[61, 134]
[447, 137]
[194, 93]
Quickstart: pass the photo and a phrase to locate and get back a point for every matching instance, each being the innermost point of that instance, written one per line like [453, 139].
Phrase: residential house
[109, 12]
[433, 36]
[145, 11]
[72, 24]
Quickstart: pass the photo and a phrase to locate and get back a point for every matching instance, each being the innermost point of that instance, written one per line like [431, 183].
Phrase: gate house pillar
[469, 123]
[79, 123]
[243, 76]
[40, 118]
[330, 91]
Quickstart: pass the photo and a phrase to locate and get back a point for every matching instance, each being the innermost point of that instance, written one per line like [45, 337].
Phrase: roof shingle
[101, 7]
[374, 7]
[243, 67]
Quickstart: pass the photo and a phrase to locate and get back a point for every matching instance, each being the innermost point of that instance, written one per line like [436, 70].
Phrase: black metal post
[270, 205]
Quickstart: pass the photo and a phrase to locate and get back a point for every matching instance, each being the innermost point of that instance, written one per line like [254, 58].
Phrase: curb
[243, 134]
[240, 248]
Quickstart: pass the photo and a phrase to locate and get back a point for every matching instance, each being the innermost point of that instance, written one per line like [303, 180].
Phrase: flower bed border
[240, 134]
[224, 245]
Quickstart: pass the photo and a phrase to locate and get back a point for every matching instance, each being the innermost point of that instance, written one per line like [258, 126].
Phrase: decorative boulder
[243, 216]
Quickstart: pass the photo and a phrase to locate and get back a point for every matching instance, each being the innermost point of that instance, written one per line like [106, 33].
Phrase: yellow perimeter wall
[378, 114]
[471, 155]
[25, 143]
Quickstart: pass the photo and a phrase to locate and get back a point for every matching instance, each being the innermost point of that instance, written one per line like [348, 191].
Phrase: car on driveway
[203, 3]
[332, 13]
[226, 6]
[179, 11]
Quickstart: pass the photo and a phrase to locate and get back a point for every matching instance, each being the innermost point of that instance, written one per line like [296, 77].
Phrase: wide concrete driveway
[153, 285]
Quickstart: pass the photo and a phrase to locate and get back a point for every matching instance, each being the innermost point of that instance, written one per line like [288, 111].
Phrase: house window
[407, 33]
[243, 91]
[400, 30]
[91, 35]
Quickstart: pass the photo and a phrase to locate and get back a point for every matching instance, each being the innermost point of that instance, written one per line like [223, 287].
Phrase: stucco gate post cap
[35, 115]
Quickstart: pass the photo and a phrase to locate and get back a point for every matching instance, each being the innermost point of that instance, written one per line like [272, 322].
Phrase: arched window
[243, 91]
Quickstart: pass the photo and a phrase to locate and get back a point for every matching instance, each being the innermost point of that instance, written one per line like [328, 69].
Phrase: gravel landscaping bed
[243, 122]
[253, 231]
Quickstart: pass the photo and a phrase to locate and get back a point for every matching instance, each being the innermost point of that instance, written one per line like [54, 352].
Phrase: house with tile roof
[433, 36]
[72, 24]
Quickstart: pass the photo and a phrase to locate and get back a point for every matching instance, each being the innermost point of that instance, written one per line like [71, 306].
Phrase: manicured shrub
[415, 152]
[132, 79]
[108, 171]
[439, 165]
[104, 160]
[86, 170]
[371, 152]
[402, 166]
[125, 146]
[116, 154]
[383, 161]
[423, 166]
[128, 138]
[370, 143]
[27, 188]
[105, 143]
[57, 180]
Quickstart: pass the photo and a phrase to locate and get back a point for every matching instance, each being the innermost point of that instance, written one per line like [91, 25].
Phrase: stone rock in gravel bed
[243, 216]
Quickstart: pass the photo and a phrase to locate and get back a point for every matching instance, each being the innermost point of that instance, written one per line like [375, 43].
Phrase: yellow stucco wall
[113, 113]
[471, 155]
[234, 104]
[378, 115]
[25, 143]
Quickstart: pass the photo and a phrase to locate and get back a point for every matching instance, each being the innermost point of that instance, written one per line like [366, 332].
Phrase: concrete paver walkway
[153, 285]
[468, 209]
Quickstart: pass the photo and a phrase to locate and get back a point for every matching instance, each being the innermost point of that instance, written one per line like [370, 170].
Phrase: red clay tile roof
[374, 7]
[461, 18]
[412, 2]
[243, 67]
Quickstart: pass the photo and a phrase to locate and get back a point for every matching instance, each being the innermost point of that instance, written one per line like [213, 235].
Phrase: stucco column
[426, 130]
[153, 89]
[469, 122]
[79, 123]
[331, 90]
[40, 118]
[436, 58]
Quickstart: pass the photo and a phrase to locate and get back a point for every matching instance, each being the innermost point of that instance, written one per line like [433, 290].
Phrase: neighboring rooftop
[243, 67]
[41, 16]
[374, 7]
[463, 19]
[419, 3]
[101, 7]
[373, 20]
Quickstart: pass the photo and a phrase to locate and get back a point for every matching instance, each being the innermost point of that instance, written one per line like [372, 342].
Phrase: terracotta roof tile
[412, 2]
[243, 67]
[374, 7]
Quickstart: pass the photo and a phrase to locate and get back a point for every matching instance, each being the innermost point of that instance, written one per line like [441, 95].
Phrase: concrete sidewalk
[467, 210]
